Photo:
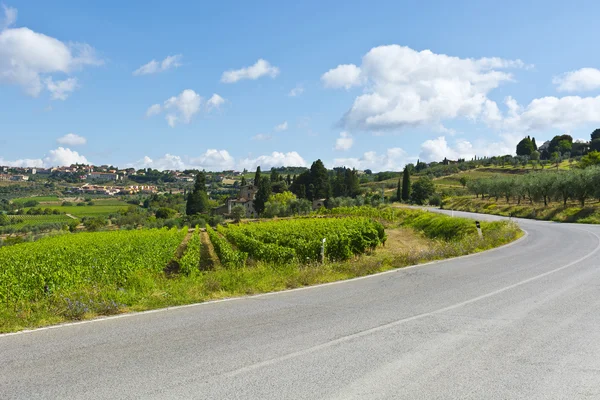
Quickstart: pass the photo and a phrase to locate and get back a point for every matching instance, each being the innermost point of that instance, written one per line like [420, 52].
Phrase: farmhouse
[245, 198]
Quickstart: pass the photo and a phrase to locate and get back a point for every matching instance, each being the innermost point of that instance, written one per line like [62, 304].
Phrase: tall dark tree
[339, 185]
[300, 185]
[243, 183]
[534, 144]
[555, 143]
[406, 184]
[274, 175]
[197, 201]
[288, 180]
[257, 176]
[525, 147]
[422, 190]
[596, 134]
[399, 190]
[319, 180]
[352, 182]
[262, 195]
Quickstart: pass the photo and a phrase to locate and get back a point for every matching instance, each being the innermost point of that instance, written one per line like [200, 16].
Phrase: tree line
[561, 146]
[543, 186]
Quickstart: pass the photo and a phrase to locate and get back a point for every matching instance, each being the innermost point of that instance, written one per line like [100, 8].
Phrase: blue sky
[374, 84]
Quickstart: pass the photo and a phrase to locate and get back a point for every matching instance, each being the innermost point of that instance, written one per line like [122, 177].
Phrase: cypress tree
[262, 195]
[399, 190]
[257, 176]
[319, 180]
[406, 185]
[243, 183]
[197, 201]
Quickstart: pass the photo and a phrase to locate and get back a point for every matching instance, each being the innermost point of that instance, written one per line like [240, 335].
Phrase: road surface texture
[519, 322]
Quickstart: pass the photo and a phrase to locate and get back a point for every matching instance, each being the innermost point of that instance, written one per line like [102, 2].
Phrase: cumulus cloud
[552, 112]
[581, 80]
[404, 87]
[344, 142]
[343, 76]
[29, 59]
[211, 160]
[56, 158]
[23, 163]
[154, 66]
[437, 149]
[215, 101]
[183, 107]
[253, 72]
[72, 139]
[393, 159]
[281, 127]
[64, 156]
[275, 159]
[297, 91]
[214, 160]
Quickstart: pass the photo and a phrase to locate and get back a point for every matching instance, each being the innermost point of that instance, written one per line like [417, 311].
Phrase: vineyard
[22, 220]
[30, 271]
[301, 239]
[81, 275]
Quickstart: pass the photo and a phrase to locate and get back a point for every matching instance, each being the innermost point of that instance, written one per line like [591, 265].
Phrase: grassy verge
[413, 237]
[572, 212]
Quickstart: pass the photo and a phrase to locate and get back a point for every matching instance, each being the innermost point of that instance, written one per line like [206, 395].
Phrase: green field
[96, 210]
[41, 199]
[38, 220]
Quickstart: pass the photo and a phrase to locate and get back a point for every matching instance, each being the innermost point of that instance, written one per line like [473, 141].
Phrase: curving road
[519, 322]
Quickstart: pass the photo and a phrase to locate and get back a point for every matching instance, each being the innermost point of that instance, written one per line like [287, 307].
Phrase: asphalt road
[519, 322]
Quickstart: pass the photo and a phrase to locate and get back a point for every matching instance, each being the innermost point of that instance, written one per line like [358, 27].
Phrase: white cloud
[10, 17]
[262, 137]
[261, 68]
[215, 101]
[344, 142]
[552, 112]
[439, 148]
[166, 162]
[71, 139]
[64, 156]
[275, 159]
[183, 107]
[56, 158]
[211, 160]
[581, 80]
[154, 109]
[281, 127]
[346, 76]
[407, 87]
[393, 159]
[154, 66]
[61, 89]
[214, 160]
[23, 163]
[297, 91]
[28, 59]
